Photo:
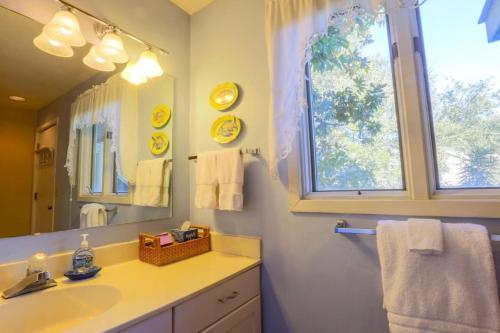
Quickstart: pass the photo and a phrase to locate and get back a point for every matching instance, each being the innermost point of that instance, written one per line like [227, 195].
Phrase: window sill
[111, 199]
[376, 206]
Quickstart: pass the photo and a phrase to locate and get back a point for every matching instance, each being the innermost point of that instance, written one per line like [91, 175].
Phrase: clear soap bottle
[83, 258]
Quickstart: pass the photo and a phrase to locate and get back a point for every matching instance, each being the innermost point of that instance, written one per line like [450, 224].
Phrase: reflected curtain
[114, 104]
[292, 27]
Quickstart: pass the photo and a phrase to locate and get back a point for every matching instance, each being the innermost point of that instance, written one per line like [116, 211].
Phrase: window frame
[421, 196]
[85, 172]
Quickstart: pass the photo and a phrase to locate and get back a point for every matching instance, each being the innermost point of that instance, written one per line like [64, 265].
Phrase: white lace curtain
[114, 104]
[292, 26]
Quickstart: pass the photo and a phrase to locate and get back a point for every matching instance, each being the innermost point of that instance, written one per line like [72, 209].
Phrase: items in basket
[181, 236]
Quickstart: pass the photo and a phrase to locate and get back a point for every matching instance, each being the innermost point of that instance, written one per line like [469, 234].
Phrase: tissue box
[183, 236]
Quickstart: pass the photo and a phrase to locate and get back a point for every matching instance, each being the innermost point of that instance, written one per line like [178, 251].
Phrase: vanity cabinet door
[245, 319]
[161, 323]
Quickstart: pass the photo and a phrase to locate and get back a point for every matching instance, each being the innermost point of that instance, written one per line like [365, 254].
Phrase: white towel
[149, 182]
[93, 215]
[455, 292]
[425, 236]
[165, 190]
[206, 180]
[230, 176]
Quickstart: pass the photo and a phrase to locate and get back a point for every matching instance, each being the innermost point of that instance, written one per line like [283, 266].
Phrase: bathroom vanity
[218, 291]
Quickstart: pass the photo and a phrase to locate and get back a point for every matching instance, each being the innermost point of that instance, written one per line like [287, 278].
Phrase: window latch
[416, 44]
[394, 51]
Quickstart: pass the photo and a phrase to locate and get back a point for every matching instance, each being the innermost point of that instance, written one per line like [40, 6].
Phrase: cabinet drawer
[205, 309]
[245, 319]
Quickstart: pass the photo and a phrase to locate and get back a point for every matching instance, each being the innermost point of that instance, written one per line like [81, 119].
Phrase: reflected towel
[149, 182]
[165, 190]
[93, 215]
[455, 292]
[425, 236]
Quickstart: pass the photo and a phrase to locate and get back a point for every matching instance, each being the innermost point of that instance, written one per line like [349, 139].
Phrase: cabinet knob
[233, 295]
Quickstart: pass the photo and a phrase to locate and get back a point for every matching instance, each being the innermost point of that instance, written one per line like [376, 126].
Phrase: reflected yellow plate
[158, 144]
[223, 96]
[160, 115]
[225, 129]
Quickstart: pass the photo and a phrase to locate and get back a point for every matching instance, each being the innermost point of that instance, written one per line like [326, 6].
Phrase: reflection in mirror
[76, 143]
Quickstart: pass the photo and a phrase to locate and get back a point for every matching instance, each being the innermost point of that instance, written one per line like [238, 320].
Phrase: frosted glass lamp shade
[65, 28]
[133, 75]
[95, 61]
[111, 48]
[52, 46]
[148, 64]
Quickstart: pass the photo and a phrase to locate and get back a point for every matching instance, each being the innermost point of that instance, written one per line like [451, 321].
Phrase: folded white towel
[165, 190]
[149, 182]
[455, 292]
[206, 180]
[93, 215]
[425, 236]
[230, 176]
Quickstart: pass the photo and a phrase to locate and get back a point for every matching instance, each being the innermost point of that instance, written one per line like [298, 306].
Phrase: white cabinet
[161, 323]
[231, 307]
[245, 319]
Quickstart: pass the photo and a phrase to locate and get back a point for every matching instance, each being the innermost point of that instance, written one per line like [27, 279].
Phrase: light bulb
[52, 46]
[148, 64]
[97, 62]
[133, 75]
[64, 27]
[111, 48]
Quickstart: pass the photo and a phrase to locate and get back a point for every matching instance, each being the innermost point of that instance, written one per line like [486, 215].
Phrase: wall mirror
[79, 147]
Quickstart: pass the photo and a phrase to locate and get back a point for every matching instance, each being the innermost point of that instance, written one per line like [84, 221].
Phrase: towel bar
[108, 210]
[251, 151]
[342, 228]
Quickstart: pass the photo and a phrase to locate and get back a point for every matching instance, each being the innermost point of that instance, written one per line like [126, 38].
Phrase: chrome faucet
[37, 278]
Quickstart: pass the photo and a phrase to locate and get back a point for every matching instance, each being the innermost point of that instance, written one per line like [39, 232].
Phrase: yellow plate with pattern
[225, 129]
[158, 144]
[160, 116]
[223, 96]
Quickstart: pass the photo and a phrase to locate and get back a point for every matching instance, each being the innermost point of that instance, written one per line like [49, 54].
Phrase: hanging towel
[206, 180]
[149, 182]
[455, 292]
[230, 176]
[93, 215]
[425, 236]
[165, 190]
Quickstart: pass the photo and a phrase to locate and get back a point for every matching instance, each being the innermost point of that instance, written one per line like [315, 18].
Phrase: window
[404, 117]
[463, 76]
[99, 180]
[353, 122]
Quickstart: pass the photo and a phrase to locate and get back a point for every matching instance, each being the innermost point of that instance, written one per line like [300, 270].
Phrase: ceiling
[30, 73]
[192, 6]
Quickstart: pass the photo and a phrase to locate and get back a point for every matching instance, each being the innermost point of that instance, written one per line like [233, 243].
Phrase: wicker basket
[151, 252]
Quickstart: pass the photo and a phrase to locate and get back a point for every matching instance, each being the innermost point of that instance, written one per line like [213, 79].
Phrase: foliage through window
[355, 140]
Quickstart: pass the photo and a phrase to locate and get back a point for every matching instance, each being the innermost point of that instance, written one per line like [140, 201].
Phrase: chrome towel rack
[250, 151]
[343, 228]
[108, 210]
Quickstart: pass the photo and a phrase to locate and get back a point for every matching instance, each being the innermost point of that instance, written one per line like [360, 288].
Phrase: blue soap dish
[74, 276]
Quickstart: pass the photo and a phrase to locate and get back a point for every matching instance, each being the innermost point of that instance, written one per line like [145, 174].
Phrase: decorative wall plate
[225, 129]
[223, 96]
[160, 115]
[158, 144]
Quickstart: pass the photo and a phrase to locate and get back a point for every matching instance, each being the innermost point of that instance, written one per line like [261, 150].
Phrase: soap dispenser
[83, 259]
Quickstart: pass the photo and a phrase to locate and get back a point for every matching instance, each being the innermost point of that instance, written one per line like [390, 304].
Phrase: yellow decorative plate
[158, 144]
[223, 96]
[160, 115]
[225, 129]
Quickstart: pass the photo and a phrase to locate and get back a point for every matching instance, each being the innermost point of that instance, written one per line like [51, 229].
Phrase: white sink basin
[55, 310]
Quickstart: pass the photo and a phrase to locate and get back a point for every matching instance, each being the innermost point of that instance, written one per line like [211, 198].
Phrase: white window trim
[421, 196]
[84, 175]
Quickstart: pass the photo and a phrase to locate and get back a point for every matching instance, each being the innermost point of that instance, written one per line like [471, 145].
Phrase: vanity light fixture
[148, 64]
[97, 62]
[133, 75]
[64, 27]
[111, 48]
[52, 46]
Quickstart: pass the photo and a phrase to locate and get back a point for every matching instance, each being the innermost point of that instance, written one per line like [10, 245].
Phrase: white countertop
[146, 289]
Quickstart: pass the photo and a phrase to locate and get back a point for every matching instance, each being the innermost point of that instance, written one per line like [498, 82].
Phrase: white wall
[163, 24]
[313, 280]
